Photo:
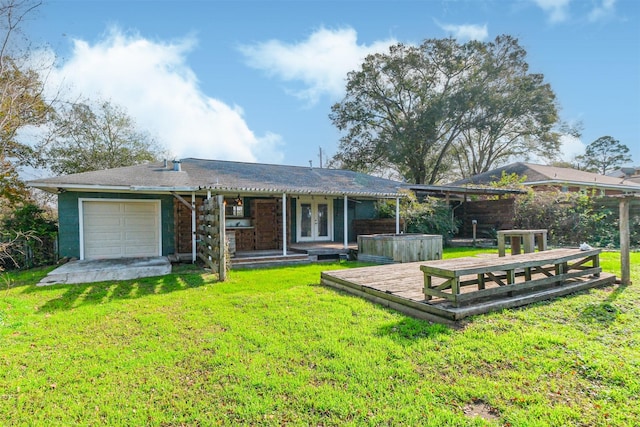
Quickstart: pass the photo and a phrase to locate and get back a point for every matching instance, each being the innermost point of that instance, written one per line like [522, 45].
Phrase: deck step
[269, 261]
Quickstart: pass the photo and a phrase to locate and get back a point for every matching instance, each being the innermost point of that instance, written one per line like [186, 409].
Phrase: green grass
[273, 347]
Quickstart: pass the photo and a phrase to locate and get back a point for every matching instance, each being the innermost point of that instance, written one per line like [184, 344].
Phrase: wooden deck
[402, 287]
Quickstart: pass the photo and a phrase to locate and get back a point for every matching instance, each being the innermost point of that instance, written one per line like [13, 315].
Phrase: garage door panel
[115, 229]
[102, 252]
[141, 221]
[102, 208]
[97, 238]
[134, 237]
[103, 221]
[139, 251]
[135, 208]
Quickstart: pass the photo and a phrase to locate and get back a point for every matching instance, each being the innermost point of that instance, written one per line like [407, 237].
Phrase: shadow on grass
[605, 312]
[408, 330]
[77, 295]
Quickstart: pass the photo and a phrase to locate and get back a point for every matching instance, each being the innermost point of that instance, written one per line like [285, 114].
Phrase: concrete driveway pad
[89, 271]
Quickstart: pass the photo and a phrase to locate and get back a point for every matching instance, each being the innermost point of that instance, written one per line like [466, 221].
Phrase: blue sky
[255, 80]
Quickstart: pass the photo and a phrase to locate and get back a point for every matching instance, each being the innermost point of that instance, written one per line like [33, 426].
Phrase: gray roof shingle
[229, 177]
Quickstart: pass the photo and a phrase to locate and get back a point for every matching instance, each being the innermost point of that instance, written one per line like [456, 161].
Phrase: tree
[513, 112]
[420, 109]
[22, 102]
[86, 139]
[604, 155]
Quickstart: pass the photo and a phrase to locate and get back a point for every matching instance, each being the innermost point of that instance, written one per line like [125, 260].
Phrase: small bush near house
[32, 235]
[429, 216]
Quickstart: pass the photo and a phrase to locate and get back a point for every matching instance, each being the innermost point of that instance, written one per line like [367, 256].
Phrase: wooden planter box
[399, 247]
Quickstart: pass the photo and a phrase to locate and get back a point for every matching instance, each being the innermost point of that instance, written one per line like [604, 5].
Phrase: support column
[284, 224]
[346, 222]
[397, 215]
[625, 266]
[222, 263]
[193, 227]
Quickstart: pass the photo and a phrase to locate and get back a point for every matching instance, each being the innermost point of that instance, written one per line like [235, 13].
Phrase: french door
[314, 220]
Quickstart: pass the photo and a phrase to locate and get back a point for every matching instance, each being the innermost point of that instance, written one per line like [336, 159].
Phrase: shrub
[430, 216]
[571, 218]
[30, 238]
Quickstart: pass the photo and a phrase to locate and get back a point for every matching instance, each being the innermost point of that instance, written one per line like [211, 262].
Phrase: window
[232, 208]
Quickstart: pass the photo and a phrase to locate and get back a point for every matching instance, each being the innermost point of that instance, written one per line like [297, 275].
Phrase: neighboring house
[541, 177]
[629, 173]
[146, 210]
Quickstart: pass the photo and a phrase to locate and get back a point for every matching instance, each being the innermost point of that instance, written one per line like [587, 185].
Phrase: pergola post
[284, 224]
[397, 215]
[625, 268]
[193, 227]
[222, 264]
[345, 218]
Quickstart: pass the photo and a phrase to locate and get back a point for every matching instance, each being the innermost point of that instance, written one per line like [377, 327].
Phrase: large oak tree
[87, 138]
[442, 107]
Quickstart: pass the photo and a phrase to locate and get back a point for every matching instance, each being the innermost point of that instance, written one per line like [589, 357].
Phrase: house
[151, 209]
[492, 215]
[629, 173]
[542, 177]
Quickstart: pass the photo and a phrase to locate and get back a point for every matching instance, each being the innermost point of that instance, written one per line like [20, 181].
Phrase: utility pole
[320, 155]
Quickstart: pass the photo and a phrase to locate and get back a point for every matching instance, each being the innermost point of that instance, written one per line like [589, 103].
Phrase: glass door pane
[306, 222]
[323, 220]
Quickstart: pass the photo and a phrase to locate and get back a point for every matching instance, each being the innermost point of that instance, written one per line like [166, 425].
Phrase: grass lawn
[273, 347]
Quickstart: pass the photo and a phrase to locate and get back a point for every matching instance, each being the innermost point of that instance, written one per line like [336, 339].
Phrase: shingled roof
[225, 176]
[551, 175]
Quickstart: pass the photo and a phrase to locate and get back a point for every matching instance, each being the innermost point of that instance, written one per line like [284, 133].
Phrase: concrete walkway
[89, 271]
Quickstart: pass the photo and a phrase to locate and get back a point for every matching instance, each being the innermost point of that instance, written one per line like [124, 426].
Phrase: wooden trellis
[211, 236]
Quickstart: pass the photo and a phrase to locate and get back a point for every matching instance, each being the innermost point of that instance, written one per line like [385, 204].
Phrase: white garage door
[117, 229]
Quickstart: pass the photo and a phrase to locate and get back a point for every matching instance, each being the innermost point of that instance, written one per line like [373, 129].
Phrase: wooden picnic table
[446, 278]
[528, 237]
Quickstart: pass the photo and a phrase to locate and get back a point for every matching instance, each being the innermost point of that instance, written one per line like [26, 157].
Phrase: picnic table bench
[447, 278]
[529, 239]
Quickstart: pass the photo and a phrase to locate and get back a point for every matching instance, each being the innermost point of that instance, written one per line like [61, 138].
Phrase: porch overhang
[293, 192]
[625, 188]
[216, 189]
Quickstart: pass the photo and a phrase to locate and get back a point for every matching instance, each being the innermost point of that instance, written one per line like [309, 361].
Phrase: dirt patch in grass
[481, 409]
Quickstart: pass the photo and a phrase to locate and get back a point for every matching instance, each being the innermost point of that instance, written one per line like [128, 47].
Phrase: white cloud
[466, 32]
[604, 10]
[558, 10]
[571, 146]
[155, 85]
[320, 62]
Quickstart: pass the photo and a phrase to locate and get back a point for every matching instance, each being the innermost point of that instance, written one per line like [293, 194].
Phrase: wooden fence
[376, 226]
[491, 215]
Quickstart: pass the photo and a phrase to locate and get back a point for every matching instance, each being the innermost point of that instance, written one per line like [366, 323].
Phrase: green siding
[69, 220]
[362, 209]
